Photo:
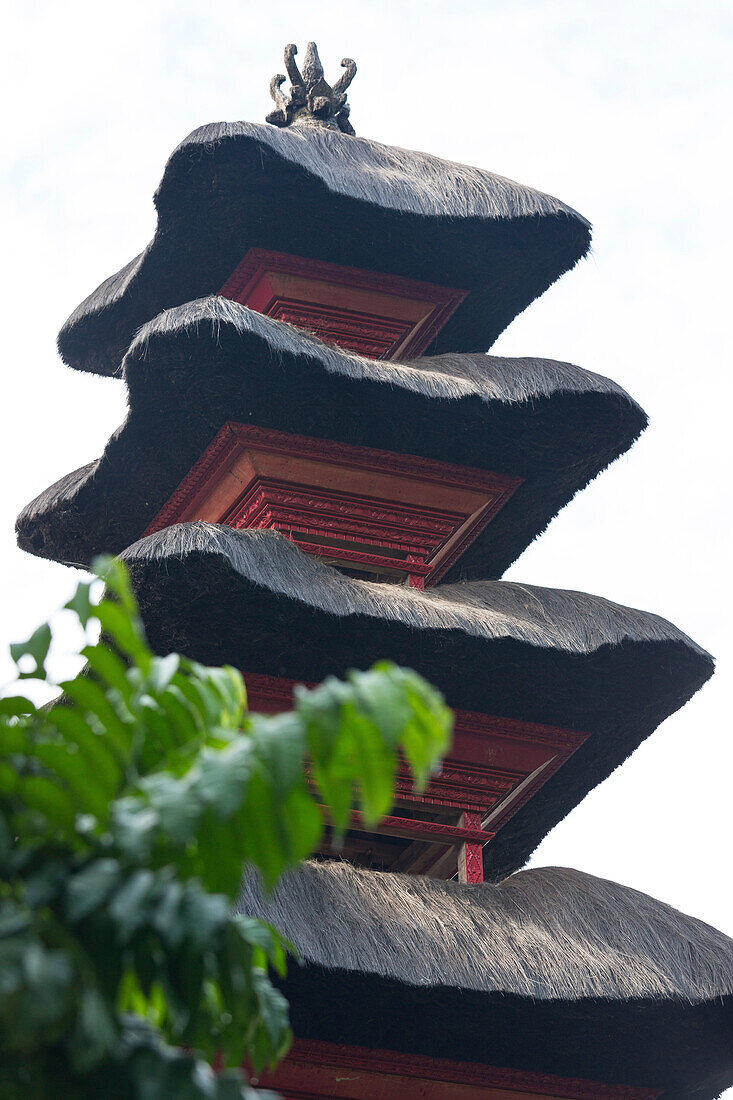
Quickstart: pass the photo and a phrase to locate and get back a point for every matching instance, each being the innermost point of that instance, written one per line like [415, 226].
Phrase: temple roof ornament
[311, 99]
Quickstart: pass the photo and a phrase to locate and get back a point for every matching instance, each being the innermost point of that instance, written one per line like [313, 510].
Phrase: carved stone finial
[311, 99]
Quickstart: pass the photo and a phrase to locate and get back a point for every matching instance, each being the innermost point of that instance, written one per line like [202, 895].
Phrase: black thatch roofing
[198, 366]
[552, 970]
[313, 192]
[551, 934]
[253, 600]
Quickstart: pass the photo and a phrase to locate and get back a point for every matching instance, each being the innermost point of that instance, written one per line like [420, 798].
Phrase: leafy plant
[127, 811]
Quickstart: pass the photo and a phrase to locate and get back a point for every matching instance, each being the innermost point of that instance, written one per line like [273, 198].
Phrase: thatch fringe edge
[549, 933]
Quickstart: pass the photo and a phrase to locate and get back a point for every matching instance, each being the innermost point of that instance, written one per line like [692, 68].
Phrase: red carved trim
[482, 775]
[367, 334]
[271, 694]
[358, 557]
[414, 829]
[373, 313]
[329, 1071]
[232, 435]
[417, 539]
[279, 690]
[407, 526]
[474, 721]
[328, 272]
[464, 785]
[470, 855]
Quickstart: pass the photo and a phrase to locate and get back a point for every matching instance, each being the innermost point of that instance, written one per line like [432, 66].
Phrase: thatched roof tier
[252, 599]
[196, 367]
[551, 934]
[322, 195]
[552, 971]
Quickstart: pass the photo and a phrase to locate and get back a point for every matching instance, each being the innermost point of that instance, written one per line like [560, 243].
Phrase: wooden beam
[414, 829]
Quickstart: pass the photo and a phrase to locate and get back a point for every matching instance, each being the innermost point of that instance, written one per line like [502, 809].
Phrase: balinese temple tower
[321, 467]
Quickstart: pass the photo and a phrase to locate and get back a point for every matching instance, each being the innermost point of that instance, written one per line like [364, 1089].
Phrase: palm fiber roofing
[253, 600]
[196, 367]
[552, 971]
[323, 195]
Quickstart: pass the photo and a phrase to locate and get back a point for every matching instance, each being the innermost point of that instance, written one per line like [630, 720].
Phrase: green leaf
[373, 763]
[128, 906]
[221, 776]
[37, 992]
[162, 671]
[81, 603]
[111, 671]
[229, 683]
[302, 823]
[135, 828]
[206, 915]
[48, 799]
[263, 936]
[13, 920]
[101, 763]
[95, 1035]
[320, 710]
[218, 855]
[354, 730]
[158, 744]
[13, 738]
[167, 916]
[263, 830]
[77, 775]
[279, 742]
[6, 839]
[9, 779]
[47, 879]
[16, 706]
[124, 631]
[273, 1011]
[36, 647]
[90, 698]
[382, 699]
[186, 722]
[201, 696]
[170, 798]
[427, 736]
[117, 580]
[90, 887]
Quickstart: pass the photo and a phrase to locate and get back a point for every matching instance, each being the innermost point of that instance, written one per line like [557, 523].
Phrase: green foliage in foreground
[127, 811]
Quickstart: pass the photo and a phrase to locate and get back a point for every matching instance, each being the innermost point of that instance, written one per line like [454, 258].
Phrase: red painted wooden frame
[391, 514]
[315, 1070]
[410, 828]
[378, 315]
[495, 765]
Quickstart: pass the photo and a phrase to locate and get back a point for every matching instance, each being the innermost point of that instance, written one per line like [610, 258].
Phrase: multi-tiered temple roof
[321, 467]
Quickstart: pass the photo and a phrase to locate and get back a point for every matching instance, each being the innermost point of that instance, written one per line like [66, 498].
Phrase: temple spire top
[311, 100]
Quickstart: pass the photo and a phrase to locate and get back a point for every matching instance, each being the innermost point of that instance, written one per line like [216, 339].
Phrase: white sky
[621, 109]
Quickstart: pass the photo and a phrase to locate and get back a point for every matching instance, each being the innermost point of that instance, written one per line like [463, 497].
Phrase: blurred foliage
[127, 812]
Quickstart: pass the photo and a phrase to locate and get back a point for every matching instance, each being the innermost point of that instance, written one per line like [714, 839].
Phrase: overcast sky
[621, 109]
